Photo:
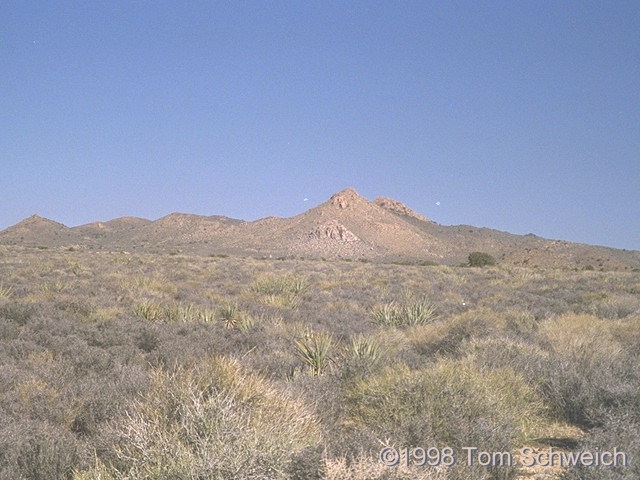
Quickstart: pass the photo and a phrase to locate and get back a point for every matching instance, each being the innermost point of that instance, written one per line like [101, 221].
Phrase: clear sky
[522, 116]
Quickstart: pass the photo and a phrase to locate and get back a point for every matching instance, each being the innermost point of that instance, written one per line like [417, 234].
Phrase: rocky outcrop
[334, 231]
[399, 208]
[345, 199]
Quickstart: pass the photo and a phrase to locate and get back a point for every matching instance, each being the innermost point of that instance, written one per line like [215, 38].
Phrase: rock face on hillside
[399, 208]
[334, 231]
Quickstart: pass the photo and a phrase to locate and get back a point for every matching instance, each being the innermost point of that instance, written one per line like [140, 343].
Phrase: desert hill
[346, 226]
[112, 228]
[35, 227]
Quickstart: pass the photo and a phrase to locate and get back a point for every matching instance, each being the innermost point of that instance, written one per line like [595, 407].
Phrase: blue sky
[520, 116]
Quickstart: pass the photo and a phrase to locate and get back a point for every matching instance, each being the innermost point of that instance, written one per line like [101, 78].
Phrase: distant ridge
[346, 226]
[36, 229]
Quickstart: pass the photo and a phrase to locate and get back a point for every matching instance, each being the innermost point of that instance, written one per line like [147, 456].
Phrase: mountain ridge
[346, 226]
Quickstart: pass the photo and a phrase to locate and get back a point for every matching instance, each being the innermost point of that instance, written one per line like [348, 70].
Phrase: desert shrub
[521, 322]
[626, 333]
[37, 451]
[480, 259]
[587, 372]
[213, 420]
[447, 337]
[610, 306]
[370, 468]
[451, 393]
[496, 353]
[280, 291]
[620, 430]
[451, 403]
[20, 313]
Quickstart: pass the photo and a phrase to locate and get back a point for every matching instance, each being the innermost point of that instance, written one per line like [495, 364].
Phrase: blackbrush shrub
[36, 450]
[446, 338]
[451, 403]
[213, 420]
[18, 312]
[587, 372]
[620, 430]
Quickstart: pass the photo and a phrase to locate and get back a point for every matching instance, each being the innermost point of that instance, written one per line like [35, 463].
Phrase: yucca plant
[362, 347]
[279, 284]
[75, 268]
[206, 316]
[5, 292]
[148, 310]
[298, 285]
[406, 294]
[179, 313]
[419, 313]
[313, 350]
[388, 314]
[247, 323]
[54, 287]
[229, 314]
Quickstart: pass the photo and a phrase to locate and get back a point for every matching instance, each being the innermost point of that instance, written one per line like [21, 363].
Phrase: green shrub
[481, 259]
[447, 338]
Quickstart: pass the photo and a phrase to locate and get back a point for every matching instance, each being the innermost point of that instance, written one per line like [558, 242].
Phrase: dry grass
[98, 349]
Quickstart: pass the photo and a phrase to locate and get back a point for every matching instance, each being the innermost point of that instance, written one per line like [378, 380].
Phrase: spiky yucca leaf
[313, 351]
[5, 292]
[362, 347]
[419, 313]
[388, 314]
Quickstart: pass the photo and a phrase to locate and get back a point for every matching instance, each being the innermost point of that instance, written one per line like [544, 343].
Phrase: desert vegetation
[172, 366]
